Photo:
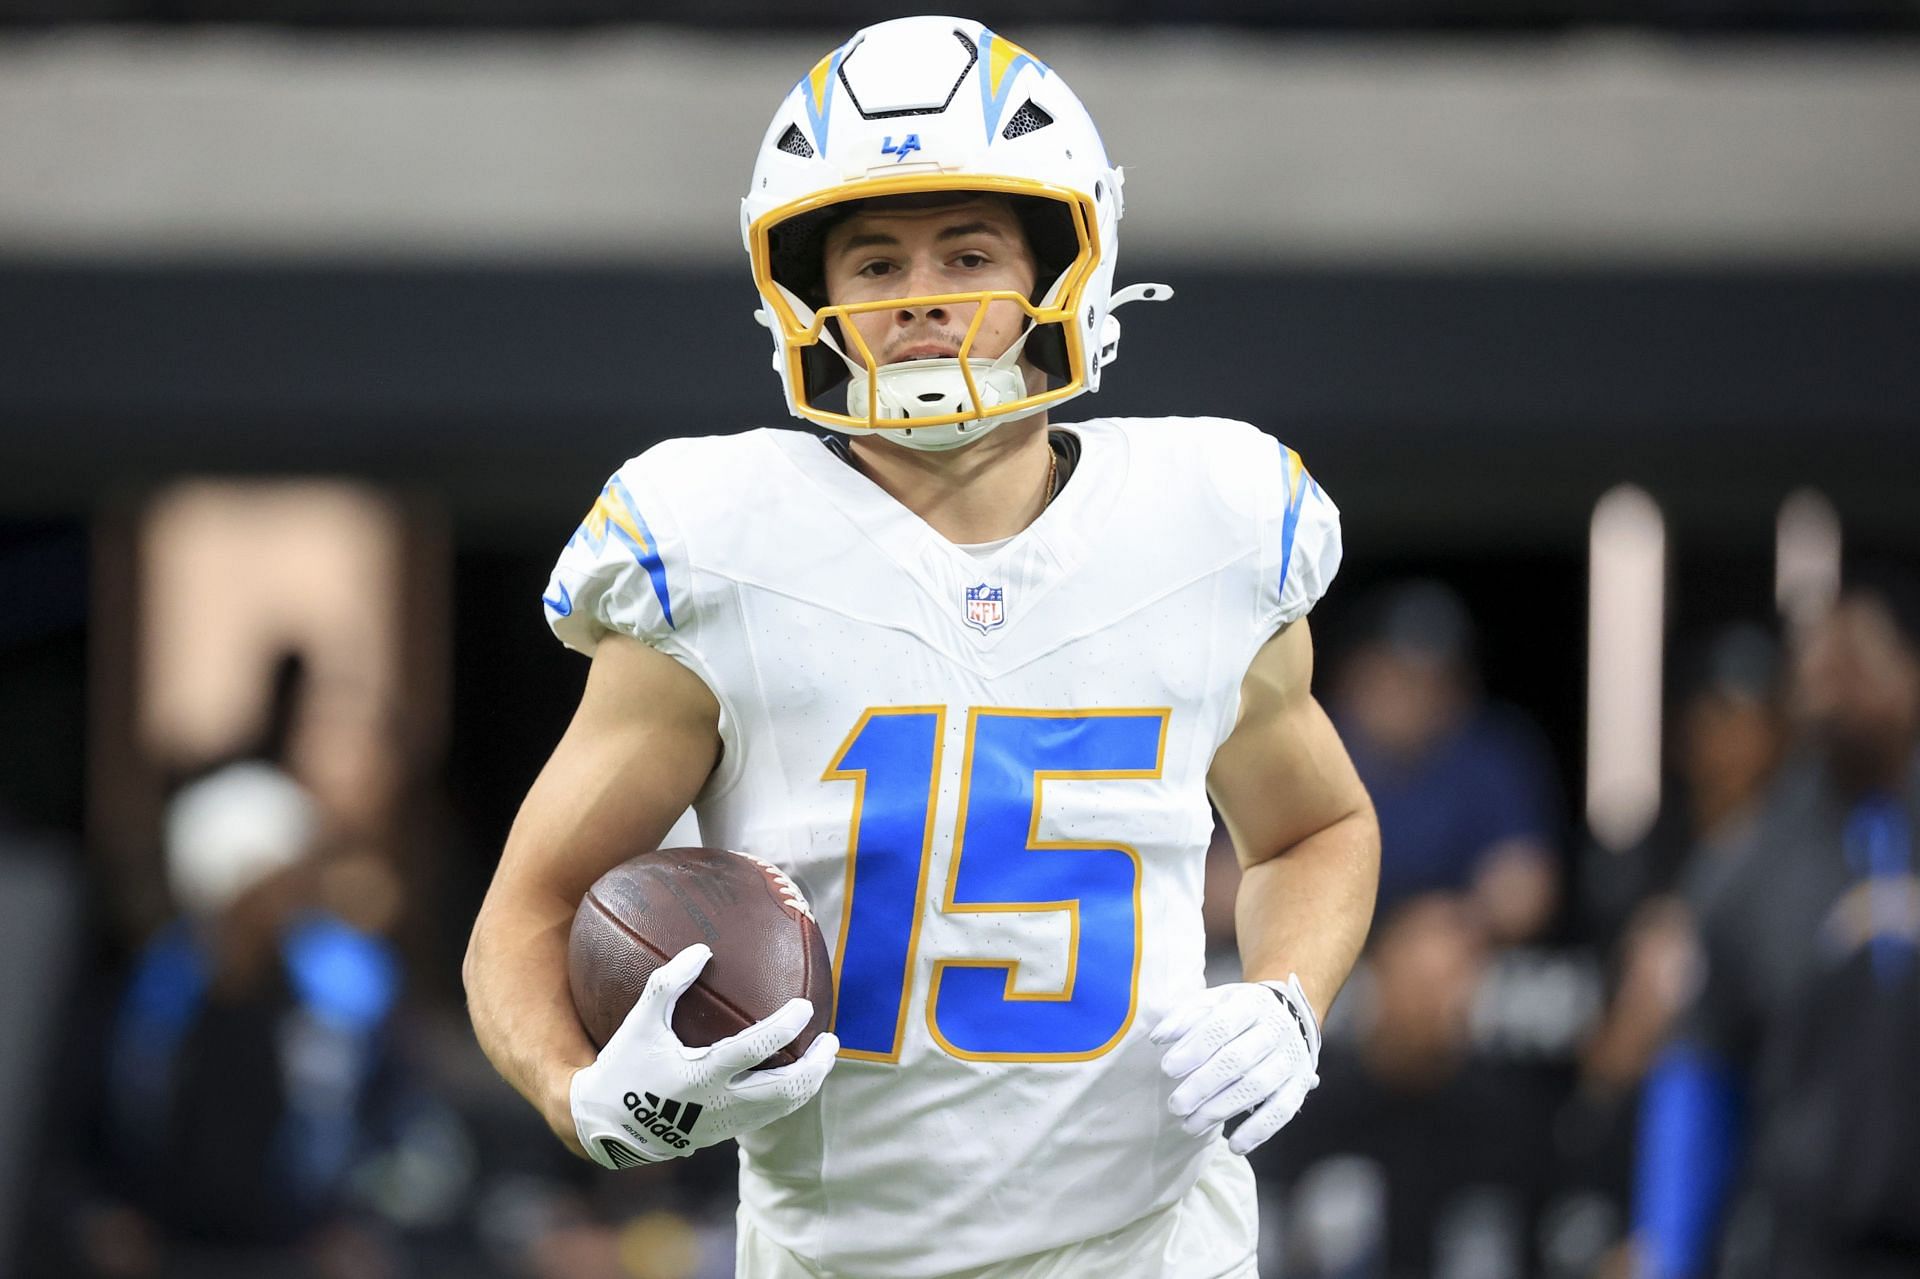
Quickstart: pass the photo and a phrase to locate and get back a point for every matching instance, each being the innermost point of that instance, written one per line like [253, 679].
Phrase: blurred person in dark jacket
[1781, 1128]
[1730, 733]
[1464, 790]
[246, 1056]
[1639, 905]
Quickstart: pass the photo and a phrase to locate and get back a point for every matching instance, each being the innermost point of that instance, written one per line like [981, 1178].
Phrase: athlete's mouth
[926, 351]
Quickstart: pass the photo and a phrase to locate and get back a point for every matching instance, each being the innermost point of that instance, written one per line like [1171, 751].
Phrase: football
[766, 947]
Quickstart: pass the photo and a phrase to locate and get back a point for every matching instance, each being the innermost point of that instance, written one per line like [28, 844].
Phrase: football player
[971, 679]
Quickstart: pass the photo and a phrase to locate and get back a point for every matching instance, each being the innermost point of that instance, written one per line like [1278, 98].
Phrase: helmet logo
[908, 145]
[1004, 61]
[819, 84]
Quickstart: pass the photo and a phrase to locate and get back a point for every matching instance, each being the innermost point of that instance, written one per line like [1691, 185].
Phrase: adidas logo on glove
[701, 1096]
[668, 1120]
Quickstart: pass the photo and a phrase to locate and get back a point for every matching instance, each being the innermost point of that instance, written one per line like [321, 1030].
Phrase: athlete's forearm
[1306, 910]
[642, 742]
[517, 996]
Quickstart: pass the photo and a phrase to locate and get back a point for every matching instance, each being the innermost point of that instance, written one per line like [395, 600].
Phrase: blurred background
[322, 321]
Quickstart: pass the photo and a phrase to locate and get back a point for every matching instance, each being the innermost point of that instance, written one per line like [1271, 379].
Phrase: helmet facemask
[929, 403]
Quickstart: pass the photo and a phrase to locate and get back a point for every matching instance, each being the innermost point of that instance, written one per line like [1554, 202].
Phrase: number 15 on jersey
[999, 864]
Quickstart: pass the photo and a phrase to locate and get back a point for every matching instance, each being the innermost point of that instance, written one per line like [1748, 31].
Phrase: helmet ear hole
[1046, 350]
[1050, 236]
[823, 370]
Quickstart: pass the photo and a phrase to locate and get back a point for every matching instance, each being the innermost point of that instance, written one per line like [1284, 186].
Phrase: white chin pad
[936, 388]
[933, 388]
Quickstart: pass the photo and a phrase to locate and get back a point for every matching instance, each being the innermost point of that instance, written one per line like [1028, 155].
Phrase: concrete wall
[634, 144]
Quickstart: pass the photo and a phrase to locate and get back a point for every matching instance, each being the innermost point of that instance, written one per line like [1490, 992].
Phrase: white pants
[1211, 1232]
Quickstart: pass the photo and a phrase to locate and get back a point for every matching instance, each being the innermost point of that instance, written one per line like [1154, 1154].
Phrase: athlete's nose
[908, 314]
[923, 280]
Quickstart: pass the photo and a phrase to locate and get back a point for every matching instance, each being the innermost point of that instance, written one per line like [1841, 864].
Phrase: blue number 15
[999, 864]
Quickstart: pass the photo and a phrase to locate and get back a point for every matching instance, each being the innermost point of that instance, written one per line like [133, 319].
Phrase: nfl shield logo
[986, 607]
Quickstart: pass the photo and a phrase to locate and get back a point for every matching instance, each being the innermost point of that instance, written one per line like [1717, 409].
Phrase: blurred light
[660, 1244]
[1340, 1208]
[1806, 557]
[238, 572]
[1625, 634]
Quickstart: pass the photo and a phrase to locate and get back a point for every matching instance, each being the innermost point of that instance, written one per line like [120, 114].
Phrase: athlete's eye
[874, 270]
[971, 261]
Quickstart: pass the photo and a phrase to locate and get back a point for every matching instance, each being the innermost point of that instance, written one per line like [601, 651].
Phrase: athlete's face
[887, 252]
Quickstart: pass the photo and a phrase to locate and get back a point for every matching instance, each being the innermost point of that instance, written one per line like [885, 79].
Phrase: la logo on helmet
[908, 145]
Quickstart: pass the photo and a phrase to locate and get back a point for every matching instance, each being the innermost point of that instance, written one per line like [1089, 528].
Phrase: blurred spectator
[1732, 734]
[1729, 735]
[1464, 790]
[1638, 906]
[1784, 1121]
[1417, 1158]
[246, 1060]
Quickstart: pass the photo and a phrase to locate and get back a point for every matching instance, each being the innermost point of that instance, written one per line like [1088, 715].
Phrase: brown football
[766, 947]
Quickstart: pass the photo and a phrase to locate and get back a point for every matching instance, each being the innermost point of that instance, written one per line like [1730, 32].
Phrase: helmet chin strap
[924, 388]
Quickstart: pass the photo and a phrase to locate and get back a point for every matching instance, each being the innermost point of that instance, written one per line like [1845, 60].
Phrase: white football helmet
[928, 105]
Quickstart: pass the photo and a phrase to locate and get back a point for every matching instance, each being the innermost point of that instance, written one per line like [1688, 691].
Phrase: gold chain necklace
[1053, 467]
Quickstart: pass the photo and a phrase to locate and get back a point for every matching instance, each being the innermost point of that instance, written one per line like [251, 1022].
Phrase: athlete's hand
[649, 1097]
[1244, 1046]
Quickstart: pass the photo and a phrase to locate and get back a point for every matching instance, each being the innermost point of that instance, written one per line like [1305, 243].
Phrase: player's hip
[1210, 1232]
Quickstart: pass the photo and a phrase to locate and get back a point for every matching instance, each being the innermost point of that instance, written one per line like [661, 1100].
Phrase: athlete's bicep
[1282, 774]
[641, 745]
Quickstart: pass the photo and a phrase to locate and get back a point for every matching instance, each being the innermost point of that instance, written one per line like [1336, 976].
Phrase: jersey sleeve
[624, 569]
[1299, 536]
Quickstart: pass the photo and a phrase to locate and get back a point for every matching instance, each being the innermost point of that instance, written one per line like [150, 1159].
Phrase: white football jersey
[989, 777]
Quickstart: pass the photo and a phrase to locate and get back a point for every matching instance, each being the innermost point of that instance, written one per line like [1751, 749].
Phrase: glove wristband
[1294, 1000]
[604, 1145]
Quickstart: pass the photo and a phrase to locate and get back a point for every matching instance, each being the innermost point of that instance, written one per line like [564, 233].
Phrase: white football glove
[649, 1097]
[1244, 1046]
